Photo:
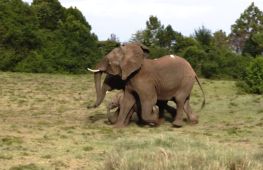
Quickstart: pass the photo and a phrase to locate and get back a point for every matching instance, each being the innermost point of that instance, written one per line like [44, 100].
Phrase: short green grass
[44, 124]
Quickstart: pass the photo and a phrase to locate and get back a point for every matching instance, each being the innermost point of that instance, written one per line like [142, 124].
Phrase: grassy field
[44, 124]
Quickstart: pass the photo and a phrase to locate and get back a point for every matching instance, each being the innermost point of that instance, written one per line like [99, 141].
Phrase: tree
[45, 37]
[203, 36]
[182, 43]
[254, 45]
[196, 56]
[250, 22]
[220, 40]
[18, 35]
[49, 13]
[153, 27]
[167, 37]
[106, 46]
[252, 79]
[138, 36]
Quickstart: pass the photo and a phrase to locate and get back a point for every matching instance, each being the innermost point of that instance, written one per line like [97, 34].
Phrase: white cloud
[125, 17]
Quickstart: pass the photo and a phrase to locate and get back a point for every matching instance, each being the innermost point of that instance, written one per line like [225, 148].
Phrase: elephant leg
[161, 105]
[112, 117]
[181, 97]
[150, 112]
[190, 114]
[125, 107]
[178, 120]
[127, 120]
[171, 110]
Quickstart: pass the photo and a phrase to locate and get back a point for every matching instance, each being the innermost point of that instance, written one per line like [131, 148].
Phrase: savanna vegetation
[45, 125]
[44, 122]
[45, 37]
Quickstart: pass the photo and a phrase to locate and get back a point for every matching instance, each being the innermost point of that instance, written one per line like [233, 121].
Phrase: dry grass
[44, 124]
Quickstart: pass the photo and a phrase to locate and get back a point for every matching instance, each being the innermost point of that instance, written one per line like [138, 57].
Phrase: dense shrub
[196, 56]
[252, 79]
[156, 52]
[34, 63]
[210, 69]
[45, 37]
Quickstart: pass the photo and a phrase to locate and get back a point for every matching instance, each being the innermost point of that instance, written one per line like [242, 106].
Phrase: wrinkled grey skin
[167, 78]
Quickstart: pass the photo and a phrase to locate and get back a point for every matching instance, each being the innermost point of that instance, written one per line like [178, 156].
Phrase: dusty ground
[44, 124]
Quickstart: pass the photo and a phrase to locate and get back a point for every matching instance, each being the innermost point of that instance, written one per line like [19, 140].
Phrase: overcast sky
[125, 17]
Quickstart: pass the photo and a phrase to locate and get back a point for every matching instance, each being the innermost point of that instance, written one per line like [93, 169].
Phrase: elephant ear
[133, 56]
[145, 49]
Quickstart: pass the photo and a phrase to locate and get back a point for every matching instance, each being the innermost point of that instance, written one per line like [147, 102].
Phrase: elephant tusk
[93, 71]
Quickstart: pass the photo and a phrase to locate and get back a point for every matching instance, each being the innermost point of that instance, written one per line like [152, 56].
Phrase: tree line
[46, 37]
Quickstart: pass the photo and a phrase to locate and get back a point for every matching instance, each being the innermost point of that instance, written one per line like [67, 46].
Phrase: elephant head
[121, 61]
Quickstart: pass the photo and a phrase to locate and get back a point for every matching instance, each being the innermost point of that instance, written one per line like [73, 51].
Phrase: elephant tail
[203, 104]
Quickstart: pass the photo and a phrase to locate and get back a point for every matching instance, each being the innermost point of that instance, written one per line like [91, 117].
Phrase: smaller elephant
[116, 102]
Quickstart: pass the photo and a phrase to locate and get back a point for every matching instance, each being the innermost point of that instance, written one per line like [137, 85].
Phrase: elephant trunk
[97, 79]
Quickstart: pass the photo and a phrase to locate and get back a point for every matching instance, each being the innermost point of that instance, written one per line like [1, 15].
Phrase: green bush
[34, 63]
[196, 57]
[232, 65]
[252, 79]
[210, 69]
[156, 52]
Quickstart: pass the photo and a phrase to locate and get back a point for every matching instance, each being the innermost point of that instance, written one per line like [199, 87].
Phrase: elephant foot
[178, 123]
[119, 125]
[193, 122]
[112, 117]
[193, 119]
[112, 120]
[160, 120]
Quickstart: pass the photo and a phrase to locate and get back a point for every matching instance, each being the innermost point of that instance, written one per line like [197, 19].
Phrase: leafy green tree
[203, 36]
[232, 65]
[138, 37]
[252, 79]
[167, 37]
[250, 22]
[79, 44]
[49, 13]
[182, 43]
[157, 52]
[36, 63]
[153, 27]
[196, 56]
[106, 46]
[45, 37]
[254, 45]
[18, 36]
[220, 40]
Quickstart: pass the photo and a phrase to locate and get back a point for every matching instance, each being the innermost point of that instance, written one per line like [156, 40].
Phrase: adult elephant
[167, 78]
